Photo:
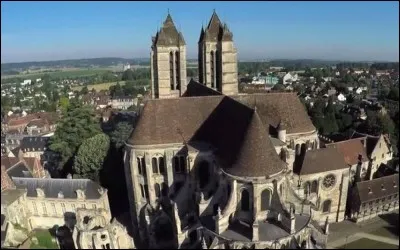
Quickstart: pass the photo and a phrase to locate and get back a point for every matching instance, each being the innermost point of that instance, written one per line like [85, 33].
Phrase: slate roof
[390, 184]
[321, 160]
[52, 187]
[215, 31]
[168, 34]
[197, 89]
[351, 150]
[38, 143]
[19, 170]
[257, 155]
[273, 108]
[234, 130]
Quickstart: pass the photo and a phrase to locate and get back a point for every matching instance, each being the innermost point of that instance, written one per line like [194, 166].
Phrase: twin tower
[217, 60]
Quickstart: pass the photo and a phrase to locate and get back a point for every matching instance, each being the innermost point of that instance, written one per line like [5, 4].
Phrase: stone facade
[32, 207]
[93, 230]
[217, 58]
[168, 62]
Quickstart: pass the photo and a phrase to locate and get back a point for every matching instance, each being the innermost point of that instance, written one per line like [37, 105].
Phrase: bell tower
[217, 57]
[168, 62]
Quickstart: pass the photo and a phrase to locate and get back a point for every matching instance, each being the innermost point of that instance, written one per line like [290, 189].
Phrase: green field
[63, 73]
[45, 240]
[98, 87]
[365, 243]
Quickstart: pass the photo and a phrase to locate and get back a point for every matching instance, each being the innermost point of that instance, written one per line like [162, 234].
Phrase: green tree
[127, 75]
[84, 90]
[90, 157]
[120, 134]
[77, 124]
[63, 103]
[278, 87]
[393, 94]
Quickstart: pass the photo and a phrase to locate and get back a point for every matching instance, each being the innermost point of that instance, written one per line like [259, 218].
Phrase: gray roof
[36, 142]
[19, 170]
[52, 187]
[389, 183]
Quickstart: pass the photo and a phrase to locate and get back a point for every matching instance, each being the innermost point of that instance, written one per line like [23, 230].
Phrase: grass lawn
[45, 240]
[99, 86]
[365, 243]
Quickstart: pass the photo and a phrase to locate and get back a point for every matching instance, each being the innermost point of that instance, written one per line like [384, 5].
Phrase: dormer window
[394, 184]
[369, 191]
[382, 187]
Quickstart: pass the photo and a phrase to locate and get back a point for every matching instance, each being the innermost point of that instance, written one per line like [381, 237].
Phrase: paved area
[345, 232]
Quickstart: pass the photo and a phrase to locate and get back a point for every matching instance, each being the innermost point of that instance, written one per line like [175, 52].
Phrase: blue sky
[271, 30]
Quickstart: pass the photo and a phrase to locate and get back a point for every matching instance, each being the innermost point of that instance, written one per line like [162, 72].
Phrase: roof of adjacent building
[35, 142]
[19, 170]
[8, 162]
[378, 188]
[321, 160]
[52, 187]
[371, 140]
[351, 149]
[168, 34]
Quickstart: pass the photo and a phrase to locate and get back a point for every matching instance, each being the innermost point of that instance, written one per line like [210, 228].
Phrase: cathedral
[208, 167]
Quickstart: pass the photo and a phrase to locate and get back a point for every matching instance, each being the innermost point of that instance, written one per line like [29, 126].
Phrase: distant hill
[74, 63]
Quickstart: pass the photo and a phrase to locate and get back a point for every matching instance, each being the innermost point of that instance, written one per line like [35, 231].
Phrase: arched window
[212, 66]
[218, 70]
[203, 173]
[182, 163]
[297, 149]
[161, 165]
[314, 186]
[142, 190]
[154, 165]
[265, 199]
[326, 206]
[143, 165]
[146, 191]
[177, 70]
[171, 70]
[303, 149]
[164, 190]
[176, 164]
[283, 155]
[306, 188]
[245, 200]
[157, 189]
[139, 163]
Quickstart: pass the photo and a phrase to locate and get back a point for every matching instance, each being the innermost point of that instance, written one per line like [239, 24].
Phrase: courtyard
[381, 232]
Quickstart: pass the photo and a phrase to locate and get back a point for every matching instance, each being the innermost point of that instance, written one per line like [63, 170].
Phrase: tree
[63, 103]
[84, 90]
[121, 133]
[393, 94]
[127, 75]
[116, 90]
[77, 124]
[278, 87]
[90, 157]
